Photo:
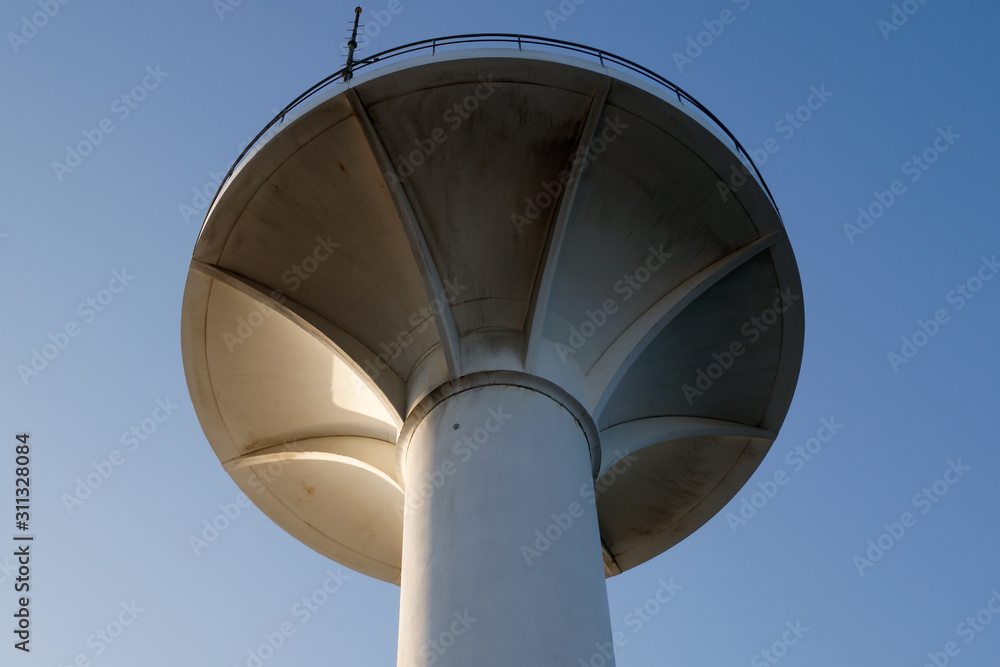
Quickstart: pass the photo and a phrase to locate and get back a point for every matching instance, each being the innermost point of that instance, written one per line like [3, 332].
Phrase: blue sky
[112, 229]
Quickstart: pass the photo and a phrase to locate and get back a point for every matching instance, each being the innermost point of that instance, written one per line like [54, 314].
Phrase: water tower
[493, 318]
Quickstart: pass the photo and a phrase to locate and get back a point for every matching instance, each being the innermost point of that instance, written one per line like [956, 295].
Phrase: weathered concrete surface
[491, 211]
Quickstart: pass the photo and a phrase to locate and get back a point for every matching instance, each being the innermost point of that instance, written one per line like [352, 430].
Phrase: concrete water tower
[493, 324]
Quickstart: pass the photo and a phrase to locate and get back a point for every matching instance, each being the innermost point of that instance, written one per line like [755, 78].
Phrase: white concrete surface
[497, 529]
[371, 263]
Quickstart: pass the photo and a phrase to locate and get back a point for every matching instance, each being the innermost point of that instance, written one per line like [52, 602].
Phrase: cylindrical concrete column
[502, 562]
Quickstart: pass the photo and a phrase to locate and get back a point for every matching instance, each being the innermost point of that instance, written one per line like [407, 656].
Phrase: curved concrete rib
[445, 322]
[294, 451]
[793, 336]
[388, 386]
[557, 231]
[621, 440]
[608, 371]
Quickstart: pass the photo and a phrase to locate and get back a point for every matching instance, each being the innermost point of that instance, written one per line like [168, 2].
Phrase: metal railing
[432, 45]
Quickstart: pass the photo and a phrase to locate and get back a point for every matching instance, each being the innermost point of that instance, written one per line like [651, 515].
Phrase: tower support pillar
[502, 561]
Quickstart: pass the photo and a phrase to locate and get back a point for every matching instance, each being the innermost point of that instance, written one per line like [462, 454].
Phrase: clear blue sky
[211, 80]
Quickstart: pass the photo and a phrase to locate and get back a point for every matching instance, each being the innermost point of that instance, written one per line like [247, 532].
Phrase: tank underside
[523, 214]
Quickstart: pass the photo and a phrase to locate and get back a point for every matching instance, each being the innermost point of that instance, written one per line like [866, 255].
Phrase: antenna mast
[351, 45]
